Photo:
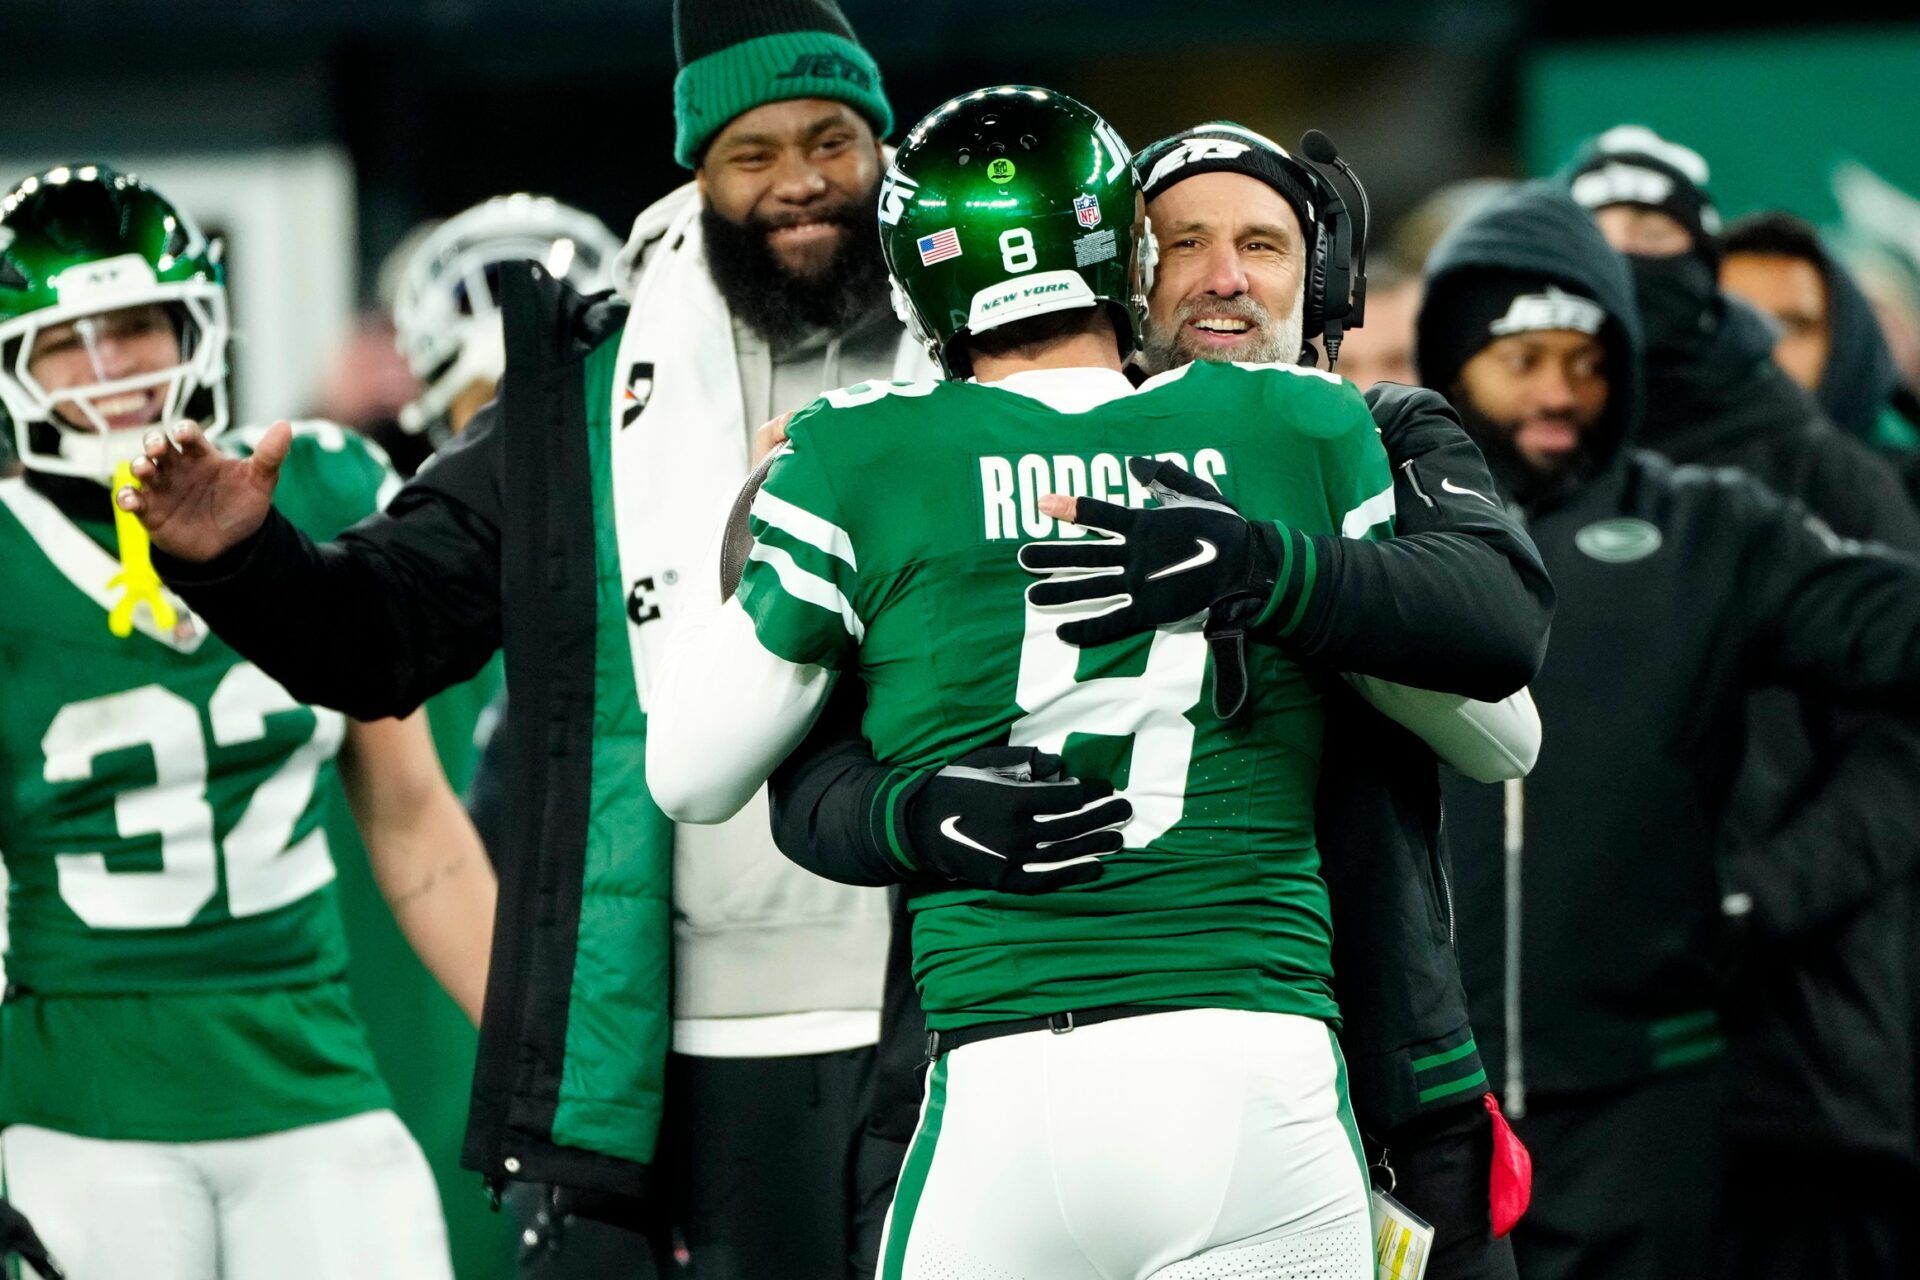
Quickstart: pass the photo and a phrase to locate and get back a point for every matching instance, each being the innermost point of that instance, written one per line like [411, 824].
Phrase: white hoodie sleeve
[1485, 741]
[722, 714]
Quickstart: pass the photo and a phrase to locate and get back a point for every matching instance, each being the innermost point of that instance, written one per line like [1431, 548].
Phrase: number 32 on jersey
[263, 870]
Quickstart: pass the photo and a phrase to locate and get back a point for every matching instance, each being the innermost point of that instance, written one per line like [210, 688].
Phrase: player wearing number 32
[186, 1090]
[1196, 1118]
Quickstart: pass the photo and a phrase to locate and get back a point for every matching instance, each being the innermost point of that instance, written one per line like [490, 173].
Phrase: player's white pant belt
[939, 1042]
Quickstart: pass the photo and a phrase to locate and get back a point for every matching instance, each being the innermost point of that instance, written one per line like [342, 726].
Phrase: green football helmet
[87, 246]
[1009, 203]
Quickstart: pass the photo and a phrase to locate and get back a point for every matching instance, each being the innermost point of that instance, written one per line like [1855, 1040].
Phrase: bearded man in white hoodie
[777, 973]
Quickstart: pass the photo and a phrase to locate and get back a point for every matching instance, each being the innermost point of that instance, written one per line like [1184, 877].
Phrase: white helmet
[446, 313]
[97, 250]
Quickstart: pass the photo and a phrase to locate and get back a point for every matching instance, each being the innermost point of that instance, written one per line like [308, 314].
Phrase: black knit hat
[1631, 164]
[1491, 303]
[736, 55]
[1225, 147]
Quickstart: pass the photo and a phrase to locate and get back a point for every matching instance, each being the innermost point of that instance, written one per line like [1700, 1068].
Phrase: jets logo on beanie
[1225, 147]
[736, 55]
[1631, 164]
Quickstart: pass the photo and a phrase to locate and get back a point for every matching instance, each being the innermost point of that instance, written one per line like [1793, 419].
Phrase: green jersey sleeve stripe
[804, 585]
[1374, 511]
[798, 522]
[806, 555]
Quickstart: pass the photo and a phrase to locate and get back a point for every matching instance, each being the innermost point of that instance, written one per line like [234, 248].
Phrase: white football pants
[1197, 1143]
[343, 1200]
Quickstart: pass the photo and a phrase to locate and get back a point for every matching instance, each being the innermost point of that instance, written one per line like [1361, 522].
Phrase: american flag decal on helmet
[939, 246]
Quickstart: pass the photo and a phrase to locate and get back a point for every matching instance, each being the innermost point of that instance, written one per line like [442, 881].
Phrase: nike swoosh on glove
[17, 1236]
[1192, 555]
[1008, 818]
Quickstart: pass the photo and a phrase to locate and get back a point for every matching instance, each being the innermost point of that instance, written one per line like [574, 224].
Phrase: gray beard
[1169, 348]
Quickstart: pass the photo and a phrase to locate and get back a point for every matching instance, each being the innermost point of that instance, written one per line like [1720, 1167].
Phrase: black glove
[1193, 554]
[17, 1236]
[1007, 818]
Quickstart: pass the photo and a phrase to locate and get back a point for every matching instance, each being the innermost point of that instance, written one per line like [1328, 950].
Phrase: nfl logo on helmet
[1087, 209]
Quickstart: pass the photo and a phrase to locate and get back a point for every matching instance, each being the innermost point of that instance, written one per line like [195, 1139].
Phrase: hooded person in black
[1714, 394]
[1823, 833]
[1832, 343]
[1590, 893]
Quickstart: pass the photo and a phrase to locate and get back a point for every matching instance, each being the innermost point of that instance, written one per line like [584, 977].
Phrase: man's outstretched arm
[397, 608]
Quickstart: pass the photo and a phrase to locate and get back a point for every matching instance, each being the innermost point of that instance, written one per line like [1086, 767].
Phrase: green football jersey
[885, 544]
[161, 809]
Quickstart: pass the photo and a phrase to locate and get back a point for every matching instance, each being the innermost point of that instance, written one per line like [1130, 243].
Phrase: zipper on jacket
[1413, 479]
[1440, 865]
[1515, 797]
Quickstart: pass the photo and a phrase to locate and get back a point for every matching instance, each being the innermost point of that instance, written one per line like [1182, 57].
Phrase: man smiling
[1238, 222]
[1228, 209]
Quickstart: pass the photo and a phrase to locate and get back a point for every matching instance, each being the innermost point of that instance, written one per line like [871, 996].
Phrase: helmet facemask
[193, 388]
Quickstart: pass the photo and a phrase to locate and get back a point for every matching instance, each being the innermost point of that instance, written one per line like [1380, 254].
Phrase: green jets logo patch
[1618, 541]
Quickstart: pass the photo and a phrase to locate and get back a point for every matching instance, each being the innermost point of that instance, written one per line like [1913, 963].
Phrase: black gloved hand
[1193, 554]
[17, 1236]
[1007, 818]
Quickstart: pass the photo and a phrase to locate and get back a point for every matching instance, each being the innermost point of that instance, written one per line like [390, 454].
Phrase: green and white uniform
[176, 953]
[885, 545]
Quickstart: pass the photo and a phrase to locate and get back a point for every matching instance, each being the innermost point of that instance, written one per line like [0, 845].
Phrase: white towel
[677, 467]
[679, 464]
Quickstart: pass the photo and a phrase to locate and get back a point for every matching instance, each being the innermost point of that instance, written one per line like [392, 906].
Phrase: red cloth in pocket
[1510, 1180]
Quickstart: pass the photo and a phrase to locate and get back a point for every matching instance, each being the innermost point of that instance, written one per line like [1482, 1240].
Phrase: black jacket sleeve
[825, 796]
[404, 604]
[1458, 600]
[1824, 614]
[1853, 830]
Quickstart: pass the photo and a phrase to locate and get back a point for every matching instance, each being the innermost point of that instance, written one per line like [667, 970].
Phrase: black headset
[1336, 292]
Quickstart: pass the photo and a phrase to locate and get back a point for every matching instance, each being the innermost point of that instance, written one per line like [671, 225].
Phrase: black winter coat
[1823, 833]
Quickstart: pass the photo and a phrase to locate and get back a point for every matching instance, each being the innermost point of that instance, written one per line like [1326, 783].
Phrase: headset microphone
[1345, 291]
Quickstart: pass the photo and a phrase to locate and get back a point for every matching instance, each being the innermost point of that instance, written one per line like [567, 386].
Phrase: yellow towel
[137, 576]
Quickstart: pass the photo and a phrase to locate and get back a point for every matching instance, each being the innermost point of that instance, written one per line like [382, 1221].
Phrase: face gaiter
[1679, 299]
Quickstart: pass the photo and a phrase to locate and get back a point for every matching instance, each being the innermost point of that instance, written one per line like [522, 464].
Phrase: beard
[1525, 481]
[1171, 346]
[781, 306]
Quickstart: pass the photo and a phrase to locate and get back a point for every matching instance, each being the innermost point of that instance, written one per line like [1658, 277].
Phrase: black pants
[1440, 1165]
[765, 1169]
[1793, 1213]
[562, 1238]
[1626, 1184]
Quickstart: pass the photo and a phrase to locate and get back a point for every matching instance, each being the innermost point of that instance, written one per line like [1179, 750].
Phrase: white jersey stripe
[1375, 510]
[804, 525]
[810, 587]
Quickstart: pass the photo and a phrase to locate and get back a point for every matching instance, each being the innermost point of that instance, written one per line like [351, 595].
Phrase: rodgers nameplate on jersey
[885, 542]
[161, 803]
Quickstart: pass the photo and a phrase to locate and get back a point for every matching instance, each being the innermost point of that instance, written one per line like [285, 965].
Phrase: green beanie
[736, 55]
